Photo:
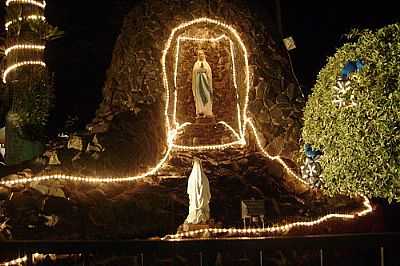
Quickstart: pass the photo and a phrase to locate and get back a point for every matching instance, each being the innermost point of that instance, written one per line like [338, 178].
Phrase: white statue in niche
[202, 86]
[199, 195]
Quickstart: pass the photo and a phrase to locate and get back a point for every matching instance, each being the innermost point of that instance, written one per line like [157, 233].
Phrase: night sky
[80, 59]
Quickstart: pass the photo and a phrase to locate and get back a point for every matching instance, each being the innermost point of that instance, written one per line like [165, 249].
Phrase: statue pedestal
[205, 120]
[205, 131]
[192, 227]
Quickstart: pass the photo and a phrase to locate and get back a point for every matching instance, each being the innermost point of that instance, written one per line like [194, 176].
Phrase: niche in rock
[227, 56]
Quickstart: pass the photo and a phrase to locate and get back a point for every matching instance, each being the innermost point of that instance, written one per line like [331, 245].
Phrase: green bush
[31, 104]
[361, 143]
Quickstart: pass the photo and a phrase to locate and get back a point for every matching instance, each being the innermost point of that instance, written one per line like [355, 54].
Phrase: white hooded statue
[202, 86]
[199, 195]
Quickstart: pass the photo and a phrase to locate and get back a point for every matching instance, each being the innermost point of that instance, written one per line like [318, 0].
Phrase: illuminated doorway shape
[172, 124]
[225, 124]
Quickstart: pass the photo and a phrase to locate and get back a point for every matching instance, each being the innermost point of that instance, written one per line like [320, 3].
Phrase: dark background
[80, 59]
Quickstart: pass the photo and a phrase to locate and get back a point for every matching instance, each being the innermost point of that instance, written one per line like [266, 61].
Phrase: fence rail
[323, 243]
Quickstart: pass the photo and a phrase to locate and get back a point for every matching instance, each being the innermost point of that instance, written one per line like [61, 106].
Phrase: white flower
[311, 170]
[341, 88]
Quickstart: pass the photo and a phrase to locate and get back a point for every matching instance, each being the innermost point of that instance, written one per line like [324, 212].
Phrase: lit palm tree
[26, 78]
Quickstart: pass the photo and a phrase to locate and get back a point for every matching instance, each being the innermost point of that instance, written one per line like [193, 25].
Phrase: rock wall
[224, 94]
[134, 79]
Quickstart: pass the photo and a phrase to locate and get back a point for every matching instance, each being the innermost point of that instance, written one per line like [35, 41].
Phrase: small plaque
[289, 43]
[252, 208]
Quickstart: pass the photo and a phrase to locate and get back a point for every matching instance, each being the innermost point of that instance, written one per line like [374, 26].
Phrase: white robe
[202, 88]
[199, 195]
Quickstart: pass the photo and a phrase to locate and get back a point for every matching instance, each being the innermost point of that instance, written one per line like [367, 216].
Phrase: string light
[166, 82]
[24, 47]
[273, 158]
[30, 2]
[177, 52]
[236, 88]
[20, 64]
[231, 129]
[36, 258]
[251, 232]
[239, 141]
[30, 17]
[178, 41]
[208, 147]
[217, 39]
[17, 261]
[88, 179]
[175, 78]
[233, 64]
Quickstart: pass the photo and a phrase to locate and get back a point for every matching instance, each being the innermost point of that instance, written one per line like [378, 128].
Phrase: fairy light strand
[238, 142]
[233, 64]
[165, 76]
[38, 47]
[216, 39]
[273, 158]
[88, 179]
[177, 53]
[30, 17]
[20, 64]
[36, 258]
[175, 83]
[24, 47]
[230, 128]
[208, 147]
[13, 262]
[280, 228]
[30, 2]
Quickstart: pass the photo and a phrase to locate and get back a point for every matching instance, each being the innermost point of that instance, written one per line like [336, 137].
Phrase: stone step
[205, 134]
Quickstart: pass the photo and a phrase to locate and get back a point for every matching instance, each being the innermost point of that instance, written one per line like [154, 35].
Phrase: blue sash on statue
[204, 89]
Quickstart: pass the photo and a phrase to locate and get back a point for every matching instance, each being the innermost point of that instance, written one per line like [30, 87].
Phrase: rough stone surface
[157, 206]
[130, 122]
[134, 79]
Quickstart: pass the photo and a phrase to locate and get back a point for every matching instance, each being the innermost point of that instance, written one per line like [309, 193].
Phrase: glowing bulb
[30, 17]
[31, 2]
[24, 47]
[20, 64]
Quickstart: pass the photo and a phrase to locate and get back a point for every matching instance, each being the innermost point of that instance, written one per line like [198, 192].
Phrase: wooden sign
[252, 208]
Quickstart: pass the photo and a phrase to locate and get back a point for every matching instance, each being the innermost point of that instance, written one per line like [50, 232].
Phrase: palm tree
[26, 79]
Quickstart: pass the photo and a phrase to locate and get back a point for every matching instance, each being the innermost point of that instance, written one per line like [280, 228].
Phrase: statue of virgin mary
[202, 86]
[198, 190]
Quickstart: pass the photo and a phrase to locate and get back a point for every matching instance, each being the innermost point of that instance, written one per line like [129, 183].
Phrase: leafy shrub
[361, 143]
[32, 102]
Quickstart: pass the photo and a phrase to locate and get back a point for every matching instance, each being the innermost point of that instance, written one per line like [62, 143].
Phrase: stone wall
[224, 94]
[134, 79]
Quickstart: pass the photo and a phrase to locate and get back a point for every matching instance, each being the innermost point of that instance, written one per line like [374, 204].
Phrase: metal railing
[145, 250]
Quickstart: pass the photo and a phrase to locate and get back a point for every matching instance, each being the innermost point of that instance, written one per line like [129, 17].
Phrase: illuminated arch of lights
[240, 139]
[242, 114]
[171, 136]
[30, 2]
